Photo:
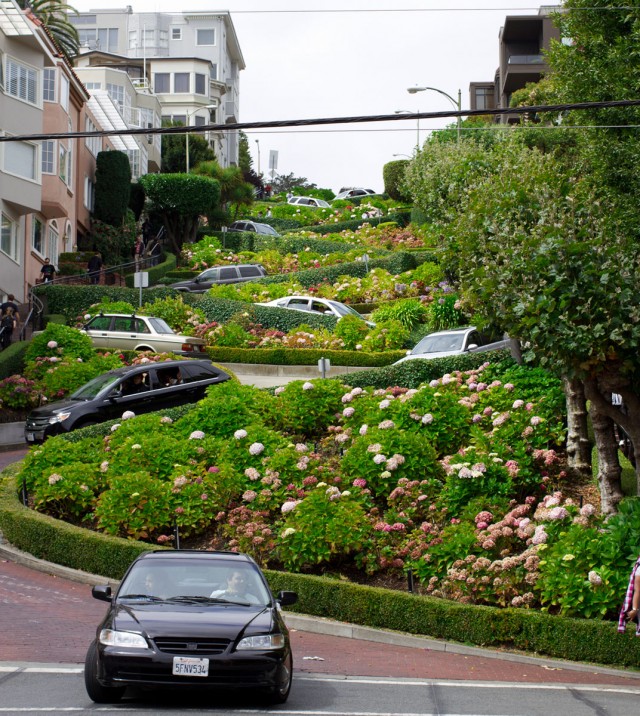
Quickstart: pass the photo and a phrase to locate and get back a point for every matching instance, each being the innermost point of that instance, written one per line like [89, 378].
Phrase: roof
[12, 20]
[109, 118]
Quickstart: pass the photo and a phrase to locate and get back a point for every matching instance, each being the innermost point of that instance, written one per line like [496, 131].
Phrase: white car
[348, 193]
[323, 306]
[140, 333]
[452, 343]
[309, 201]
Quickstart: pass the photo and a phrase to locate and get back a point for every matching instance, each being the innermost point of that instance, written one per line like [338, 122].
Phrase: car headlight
[58, 418]
[264, 641]
[128, 639]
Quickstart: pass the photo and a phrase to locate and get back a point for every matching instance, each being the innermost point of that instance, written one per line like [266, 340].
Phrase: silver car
[452, 343]
[140, 333]
[324, 306]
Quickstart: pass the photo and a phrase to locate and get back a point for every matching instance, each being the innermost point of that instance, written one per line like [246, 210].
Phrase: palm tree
[54, 15]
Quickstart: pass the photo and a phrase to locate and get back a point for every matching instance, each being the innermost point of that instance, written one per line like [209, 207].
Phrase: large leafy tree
[174, 150]
[235, 192]
[180, 200]
[54, 14]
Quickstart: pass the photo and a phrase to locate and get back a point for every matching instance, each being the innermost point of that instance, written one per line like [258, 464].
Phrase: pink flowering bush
[18, 393]
[307, 412]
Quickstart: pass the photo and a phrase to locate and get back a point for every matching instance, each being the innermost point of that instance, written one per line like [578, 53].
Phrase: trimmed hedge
[575, 639]
[12, 359]
[155, 272]
[249, 241]
[306, 356]
[414, 372]
[402, 218]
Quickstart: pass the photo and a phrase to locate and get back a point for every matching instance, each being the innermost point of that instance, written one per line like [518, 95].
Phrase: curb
[329, 627]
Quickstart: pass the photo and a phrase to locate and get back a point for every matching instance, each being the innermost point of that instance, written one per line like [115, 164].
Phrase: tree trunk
[609, 470]
[578, 443]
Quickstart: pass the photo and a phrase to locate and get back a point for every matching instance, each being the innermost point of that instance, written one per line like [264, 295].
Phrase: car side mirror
[472, 346]
[287, 598]
[102, 592]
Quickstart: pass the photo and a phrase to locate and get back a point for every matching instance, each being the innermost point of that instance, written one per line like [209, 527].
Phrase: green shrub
[408, 311]
[12, 359]
[113, 187]
[58, 341]
[393, 176]
[307, 356]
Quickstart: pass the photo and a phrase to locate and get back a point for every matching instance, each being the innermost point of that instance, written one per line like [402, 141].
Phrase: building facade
[521, 45]
[191, 61]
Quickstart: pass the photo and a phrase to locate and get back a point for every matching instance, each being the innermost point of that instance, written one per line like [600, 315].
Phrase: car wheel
[97, 692]
[144, 348]
[279, 694]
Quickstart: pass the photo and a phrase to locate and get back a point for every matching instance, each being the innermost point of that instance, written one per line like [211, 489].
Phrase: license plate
[30, 437]
[190, 666]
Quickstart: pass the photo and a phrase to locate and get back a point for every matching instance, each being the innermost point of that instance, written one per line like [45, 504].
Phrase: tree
[234, 190]
[287, 182]
[180, 200]
[393, 175]
[174, 150]
[54, 15]
[113, 186]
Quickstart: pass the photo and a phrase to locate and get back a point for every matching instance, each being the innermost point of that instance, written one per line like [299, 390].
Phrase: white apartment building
[190, 60]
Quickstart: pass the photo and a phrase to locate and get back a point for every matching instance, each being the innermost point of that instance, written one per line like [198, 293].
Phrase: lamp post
[258, 146]
[457, 104]
[402, 155]
[408, 111]
[195, 111]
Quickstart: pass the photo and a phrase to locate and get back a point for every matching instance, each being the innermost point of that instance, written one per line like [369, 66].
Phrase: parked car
[238, 273]
[348, 193]
[310, 304]
[453, 342]
[140, 388]
[309, 201]
[253, 226]
[191, 619]
[140, 333]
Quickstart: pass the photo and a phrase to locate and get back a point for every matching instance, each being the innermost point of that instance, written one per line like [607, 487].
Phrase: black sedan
[140, 389]
[191, 619]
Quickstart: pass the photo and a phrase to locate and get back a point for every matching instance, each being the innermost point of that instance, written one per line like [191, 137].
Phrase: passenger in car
[236, 589]
[135, 384]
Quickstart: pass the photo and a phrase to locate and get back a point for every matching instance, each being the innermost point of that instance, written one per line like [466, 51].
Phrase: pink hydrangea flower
[196, 435]
[239, 434]
[128, 414]
[427, 419]
[308, 386]
[249, 496]
[52, 344]
[256, 448]
[379, 459]
[348, 412]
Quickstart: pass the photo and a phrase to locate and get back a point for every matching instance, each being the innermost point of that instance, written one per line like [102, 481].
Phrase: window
[83, 19]
[49, 157]
[20, 158]
[201, 84]
[62, 163]
[176, 33]
[206, 37]
[22, 82]
[484, 98]
[52, 252]
[134, 161]
[93, 144]
[249, 271]
[49, 84]
[213, 72]
[64, 92]
[116, 92]
[9, 237]
[181, 82]
[89, 193]
[133, 39]
[163, 38]
[108, 39]
[161, 82]
[228, 272]
[1, 70]
[179, 119]
[199, 121]
[93, 85]
[87, 38]
[37, 235]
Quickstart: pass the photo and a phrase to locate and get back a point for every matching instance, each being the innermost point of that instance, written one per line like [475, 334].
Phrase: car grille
[199, 647]
[162, 673]
[37, 423]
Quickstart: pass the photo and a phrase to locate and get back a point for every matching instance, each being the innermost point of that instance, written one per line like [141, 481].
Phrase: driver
[236, 589]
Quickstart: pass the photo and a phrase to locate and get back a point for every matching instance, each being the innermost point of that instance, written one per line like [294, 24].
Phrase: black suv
[238, 273]
[140, 388]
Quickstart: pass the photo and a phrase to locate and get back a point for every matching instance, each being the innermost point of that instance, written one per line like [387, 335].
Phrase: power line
[556, 108]
[368, 11]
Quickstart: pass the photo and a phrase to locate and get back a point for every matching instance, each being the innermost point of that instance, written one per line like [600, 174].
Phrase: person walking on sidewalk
[631, 605]
[94, 267]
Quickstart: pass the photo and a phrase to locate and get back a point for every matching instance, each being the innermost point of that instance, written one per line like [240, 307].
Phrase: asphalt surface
[47, 616]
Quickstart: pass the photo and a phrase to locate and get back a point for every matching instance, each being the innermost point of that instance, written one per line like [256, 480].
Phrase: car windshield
[439, 344]
[345, 310]
[160, 325]
[91, 389]
[212, 580]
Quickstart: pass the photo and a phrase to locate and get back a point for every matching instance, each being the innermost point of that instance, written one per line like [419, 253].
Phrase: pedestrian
[631, 604]
[269, 212]
[9, 303]
[8, 324]
[138, 252]
[94, 267]
[47, 271]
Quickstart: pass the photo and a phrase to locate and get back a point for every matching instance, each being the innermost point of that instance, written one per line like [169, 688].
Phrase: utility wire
[324, 121]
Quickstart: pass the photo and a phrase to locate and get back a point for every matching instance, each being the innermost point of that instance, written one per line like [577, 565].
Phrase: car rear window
[228, 272]
[192, 373]
[160, 326]
[246, 271]
[122, 323]
[99, 323]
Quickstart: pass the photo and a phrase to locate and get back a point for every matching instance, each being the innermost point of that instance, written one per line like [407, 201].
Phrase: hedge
[12, 359]
[155, 272]
[306, 356]
[249, 241]
[414, 372]
[575, 639]
[402, 218]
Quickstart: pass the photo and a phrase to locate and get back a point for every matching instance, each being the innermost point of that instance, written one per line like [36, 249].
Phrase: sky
[309, 59]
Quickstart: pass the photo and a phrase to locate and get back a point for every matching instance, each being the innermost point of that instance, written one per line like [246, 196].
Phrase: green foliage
[113, 186]
[69, 343]
[308, 407]
[136, 199]
[174, 150]
[409, 312]
[68, 376]
[115, 243]
[12, 358]
[352, 331]
[393, 176]
[18, 393]
[445, 313]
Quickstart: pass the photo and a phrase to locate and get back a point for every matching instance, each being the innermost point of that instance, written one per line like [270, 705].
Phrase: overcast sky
[321, 60]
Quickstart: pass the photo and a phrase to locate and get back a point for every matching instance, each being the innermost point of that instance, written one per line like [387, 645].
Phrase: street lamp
[209, 107]
[408, 111]
[258, 146]
[457, 105]
[402, 155]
